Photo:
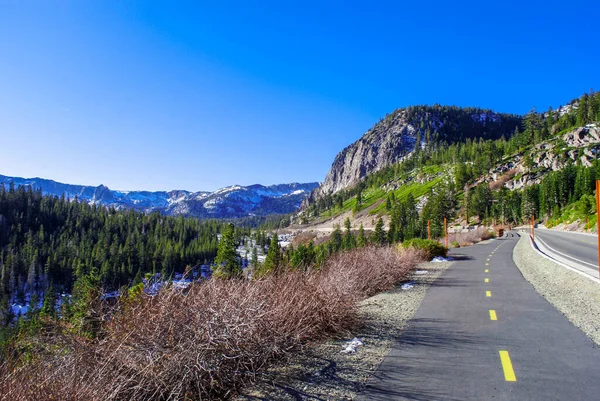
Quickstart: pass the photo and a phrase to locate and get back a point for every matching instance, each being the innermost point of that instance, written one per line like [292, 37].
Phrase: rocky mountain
[230, 202]
[580, 146]
[399, 133]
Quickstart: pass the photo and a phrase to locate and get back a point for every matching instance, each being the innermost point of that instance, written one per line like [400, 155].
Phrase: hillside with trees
[546, 165]
[48, 244]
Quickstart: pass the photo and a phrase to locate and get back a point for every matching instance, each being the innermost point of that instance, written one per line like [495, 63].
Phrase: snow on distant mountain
[229, 202]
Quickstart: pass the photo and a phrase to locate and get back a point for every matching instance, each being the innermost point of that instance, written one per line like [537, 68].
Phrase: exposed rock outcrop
[386, 143]
[394, 138]
[582, 145]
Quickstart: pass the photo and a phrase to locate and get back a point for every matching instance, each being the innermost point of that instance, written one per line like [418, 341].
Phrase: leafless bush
[205, 343]
[470, 237]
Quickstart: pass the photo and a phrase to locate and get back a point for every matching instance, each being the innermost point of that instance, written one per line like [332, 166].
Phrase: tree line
[50, 242]
[473, 151]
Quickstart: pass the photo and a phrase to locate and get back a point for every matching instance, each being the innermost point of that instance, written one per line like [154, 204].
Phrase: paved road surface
[579, 251]
[453, 350]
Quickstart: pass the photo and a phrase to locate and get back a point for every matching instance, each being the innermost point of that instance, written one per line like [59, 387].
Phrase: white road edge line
[542, 254]
[565, 255]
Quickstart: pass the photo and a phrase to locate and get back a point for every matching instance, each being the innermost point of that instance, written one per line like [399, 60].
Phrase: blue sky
[203, 94]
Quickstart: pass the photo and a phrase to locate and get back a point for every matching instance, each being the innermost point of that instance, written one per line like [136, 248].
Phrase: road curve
[577, 250]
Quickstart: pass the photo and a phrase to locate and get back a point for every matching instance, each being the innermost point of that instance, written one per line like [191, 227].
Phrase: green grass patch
[431, 170]
[581, 211]
[369, 197]
[416, 188]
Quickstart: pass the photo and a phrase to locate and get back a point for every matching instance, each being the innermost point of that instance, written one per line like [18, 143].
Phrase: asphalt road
[576, 250]
[487, 336]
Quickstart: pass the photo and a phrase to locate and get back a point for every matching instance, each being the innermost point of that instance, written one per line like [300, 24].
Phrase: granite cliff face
[395, 137]
[386, 143]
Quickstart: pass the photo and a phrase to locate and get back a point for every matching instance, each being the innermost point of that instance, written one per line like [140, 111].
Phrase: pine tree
[362, 239]
[6, 312]
[34, 307]
[254, 261]
[227, 262]
[49, 305]
[530, 203]
[336, 243]
[138, 277]
[273, 258]
[358, 204]
[85, 304]
[467, 199]
[380, 235]
[582, 111]
[349, 241]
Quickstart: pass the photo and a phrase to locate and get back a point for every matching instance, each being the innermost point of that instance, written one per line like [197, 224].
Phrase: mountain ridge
[398, 134]
[234, 201]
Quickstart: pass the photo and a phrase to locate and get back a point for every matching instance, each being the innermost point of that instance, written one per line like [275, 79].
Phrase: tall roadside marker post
[446, 231]
[598, 221]
[533, 227]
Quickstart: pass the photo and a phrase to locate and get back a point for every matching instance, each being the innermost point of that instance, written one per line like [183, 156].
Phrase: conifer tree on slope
[349, 240]
[273, 258]
[227, 263]
[362, 239]
[254, 260]
[380, 234]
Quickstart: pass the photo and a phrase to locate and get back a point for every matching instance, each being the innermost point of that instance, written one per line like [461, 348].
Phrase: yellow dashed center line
[493, 315]
[509, 373]
[487, 270]
[488, 294]
[487, 264]
[487, 280]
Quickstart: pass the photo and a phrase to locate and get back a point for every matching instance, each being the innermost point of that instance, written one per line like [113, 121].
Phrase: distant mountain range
[231, 202]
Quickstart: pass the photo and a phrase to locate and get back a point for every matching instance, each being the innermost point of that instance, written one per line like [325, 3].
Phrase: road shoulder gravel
[323, 372]
[576, 297]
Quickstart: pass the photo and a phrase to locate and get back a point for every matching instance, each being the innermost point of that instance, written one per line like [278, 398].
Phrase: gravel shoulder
[323, 372]
[576, 297]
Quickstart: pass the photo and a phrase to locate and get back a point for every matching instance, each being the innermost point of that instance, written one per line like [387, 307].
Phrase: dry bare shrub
[470, 237]
[206, 342]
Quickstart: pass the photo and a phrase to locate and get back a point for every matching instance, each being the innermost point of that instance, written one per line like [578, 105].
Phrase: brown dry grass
[303, 238]
[207, 342]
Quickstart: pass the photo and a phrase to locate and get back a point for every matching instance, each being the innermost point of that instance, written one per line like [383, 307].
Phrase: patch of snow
[108, 295]
[19, 310]
[228, 189]
[408, 286]
[352, 346]
[439, 259]
[421, 272]
[184, 283]
[212, 203]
